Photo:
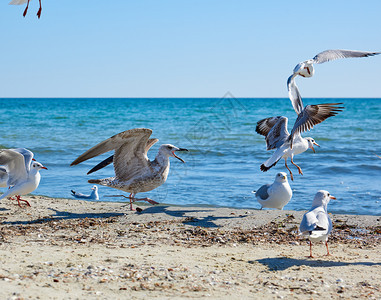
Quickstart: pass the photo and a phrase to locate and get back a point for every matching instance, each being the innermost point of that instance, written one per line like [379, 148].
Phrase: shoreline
[61, 249]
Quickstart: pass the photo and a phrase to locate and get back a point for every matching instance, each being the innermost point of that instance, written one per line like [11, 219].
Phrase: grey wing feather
[278, 134]
[294, 94]
[328, 55]
[28, 156]
[313, 115]
[263, 192]
[113, 143]
[309, 222]
[264, 126]
[14, 163]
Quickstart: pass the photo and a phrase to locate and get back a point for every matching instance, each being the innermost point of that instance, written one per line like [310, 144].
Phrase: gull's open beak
[332, 197]
[180, 149]
[316, 144]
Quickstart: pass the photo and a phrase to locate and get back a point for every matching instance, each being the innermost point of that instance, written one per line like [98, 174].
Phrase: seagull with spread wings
[134, 172]
[23, 175]
[306, 69]
[287, 145]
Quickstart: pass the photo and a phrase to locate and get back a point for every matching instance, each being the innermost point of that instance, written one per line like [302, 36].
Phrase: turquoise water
[225, 151]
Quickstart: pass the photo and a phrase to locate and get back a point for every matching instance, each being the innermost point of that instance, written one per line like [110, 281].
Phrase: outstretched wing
[17, 2]
[28, 157]
[294, 95]
[110, 159]
[14, 163]
[328, 55]
[312, 115]
[275, 130]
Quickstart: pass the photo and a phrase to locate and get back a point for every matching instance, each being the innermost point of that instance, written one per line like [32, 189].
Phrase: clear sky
[186, 48]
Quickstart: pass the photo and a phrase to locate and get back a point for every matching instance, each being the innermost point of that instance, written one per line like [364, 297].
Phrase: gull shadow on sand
[64, 215]
[191, 215]
[283, 263]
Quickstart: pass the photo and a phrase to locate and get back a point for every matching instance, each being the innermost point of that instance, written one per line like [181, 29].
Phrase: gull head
[94, 188]
[322, 198]
[281, 177]
[37, 166]
[311, 142]
[169, 150]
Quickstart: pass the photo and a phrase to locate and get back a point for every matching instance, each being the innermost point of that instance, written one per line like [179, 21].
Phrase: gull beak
[332, 197]
[316, 144]
[284, 177]
[180, 149]
[312, 147]
[44, 168]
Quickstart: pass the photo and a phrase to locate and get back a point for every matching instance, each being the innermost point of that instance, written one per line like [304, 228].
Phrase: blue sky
[199, 48]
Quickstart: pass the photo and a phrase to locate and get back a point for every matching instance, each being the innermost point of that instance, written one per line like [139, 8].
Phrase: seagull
[93, 196]
[316, 224]
[23, 173]
[306, 69]
[19, 2]
[287, 145]
[275, 195]
[134, 172]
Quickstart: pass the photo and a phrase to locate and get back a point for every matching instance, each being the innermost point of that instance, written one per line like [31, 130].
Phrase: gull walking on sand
[19, 2]
[22, 171]
[316, 224]
[93, 196]
[134, 172]
[306, 69]
[275, 195]
[287, 145]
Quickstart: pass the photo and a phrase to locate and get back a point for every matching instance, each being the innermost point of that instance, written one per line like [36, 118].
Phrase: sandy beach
[71, 249]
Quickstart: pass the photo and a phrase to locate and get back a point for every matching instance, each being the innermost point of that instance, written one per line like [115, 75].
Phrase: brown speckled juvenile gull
[134, 172]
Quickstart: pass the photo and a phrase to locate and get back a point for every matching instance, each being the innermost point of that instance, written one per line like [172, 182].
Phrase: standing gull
[287, 145]
[23, 173]
[316, 224]
[19, 2]
[93, 196]
[275, 195]
[306, 69]
[134, 172]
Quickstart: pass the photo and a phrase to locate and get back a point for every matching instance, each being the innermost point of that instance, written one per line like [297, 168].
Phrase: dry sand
[71, 249]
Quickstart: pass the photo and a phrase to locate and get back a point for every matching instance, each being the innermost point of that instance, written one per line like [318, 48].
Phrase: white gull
[23, 173]
[275, 195]
[93, 196]
[316, 224]
[134, 172]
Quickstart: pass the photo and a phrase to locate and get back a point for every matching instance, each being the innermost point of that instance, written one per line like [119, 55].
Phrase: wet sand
[71, 249]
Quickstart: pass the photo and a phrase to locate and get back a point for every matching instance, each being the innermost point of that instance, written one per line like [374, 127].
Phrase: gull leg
[291, 176]
[148, 200]
[132, 199]
[18, 197]
[310, 250]
[26, 9]
[326, 244]
[299, 169]
[39, 11]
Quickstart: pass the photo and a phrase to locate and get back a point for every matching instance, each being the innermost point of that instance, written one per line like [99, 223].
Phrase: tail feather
[265, 168]
[73, 192]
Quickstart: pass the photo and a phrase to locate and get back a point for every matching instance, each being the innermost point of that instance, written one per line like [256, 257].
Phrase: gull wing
[263, 192]
[17, 2]
[275, 130]
[328, 55]
[294, 94]
[312, 115]
[110, 159]
[28, 157]
[14, 163]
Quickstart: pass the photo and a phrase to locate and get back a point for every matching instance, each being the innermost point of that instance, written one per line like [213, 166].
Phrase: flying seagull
[23, 173]
[275, 195]
[287, 145]
[134, 172]
[316, 224]
[306, 69]
[19, 2]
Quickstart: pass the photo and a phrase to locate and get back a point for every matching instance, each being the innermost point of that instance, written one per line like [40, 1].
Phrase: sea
[225, 152]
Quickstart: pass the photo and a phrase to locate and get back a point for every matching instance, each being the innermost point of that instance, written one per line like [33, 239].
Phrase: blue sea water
[222, 166]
